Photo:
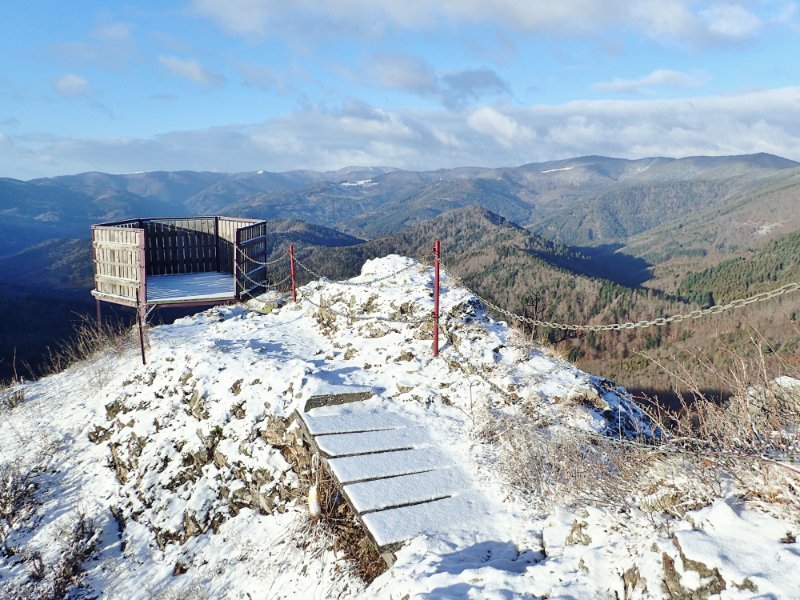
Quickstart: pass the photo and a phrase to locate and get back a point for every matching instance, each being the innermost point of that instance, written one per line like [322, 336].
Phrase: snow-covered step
[348, 444]
[379, 494]
[324, 393]
[396, 525]
[398, 482]
[351, 422]
[363, 467]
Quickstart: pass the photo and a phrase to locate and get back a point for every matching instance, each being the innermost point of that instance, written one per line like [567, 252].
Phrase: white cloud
[666, 20]
[268, 78]
[247, 17]
[657, 78]
[114, 32]
[759, 121]
[404, 72]
[786, 15]
[112, 45]
[731, 21]
[454, 89]
[502, 128]
[72, 85]
[189, 69]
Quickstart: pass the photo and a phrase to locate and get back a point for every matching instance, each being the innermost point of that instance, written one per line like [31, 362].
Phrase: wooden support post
[264, 258]
[99, 313]
[142, 291]
[216, 244]
[237, 275]
[291, 271]
[141, 321]
[437, 249]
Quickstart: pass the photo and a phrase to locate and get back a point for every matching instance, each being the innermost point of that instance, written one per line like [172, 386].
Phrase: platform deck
[190, 287]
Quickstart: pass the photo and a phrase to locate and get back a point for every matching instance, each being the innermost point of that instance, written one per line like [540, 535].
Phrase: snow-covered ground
[184, 465]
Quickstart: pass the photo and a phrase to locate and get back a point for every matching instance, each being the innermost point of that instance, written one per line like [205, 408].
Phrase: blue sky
[240, 85]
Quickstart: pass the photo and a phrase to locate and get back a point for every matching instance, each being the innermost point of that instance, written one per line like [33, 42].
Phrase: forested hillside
[659, 236]
[766, 268]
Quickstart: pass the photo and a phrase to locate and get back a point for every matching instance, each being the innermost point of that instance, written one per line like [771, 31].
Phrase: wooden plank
[336, 399]
[350, 444]
[405, 490]
[350, 469]
[114, 298]
[252, 241]
[353, 422]
[116, 279]
[440, 516]
[110, 245]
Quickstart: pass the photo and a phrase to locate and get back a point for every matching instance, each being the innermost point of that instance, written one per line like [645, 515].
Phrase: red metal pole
[437, 248]
[291, 268]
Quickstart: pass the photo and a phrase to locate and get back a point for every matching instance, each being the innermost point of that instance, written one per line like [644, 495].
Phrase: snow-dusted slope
[184, 464]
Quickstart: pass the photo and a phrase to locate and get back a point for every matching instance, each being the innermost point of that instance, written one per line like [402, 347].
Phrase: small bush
[17, 500]
[79, 545]
[89, 339]
[552, 467]
[12, 394]
[336, 526]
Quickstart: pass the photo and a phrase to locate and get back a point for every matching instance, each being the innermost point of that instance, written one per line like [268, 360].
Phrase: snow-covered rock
[186, 466]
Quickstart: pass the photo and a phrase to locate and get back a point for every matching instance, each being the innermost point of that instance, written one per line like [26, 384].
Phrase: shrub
[90, 339]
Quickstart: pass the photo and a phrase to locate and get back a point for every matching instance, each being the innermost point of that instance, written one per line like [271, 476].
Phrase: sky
[244, 85]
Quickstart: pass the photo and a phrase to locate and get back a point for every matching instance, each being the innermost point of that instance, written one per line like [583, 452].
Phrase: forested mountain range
[589, 239]
[588, 200]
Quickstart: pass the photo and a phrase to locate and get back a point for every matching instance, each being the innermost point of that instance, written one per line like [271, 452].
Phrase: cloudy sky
[239, 85]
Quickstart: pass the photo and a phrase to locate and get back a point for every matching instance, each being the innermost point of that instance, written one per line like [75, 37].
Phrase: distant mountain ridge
[574, 235]
[376, 201]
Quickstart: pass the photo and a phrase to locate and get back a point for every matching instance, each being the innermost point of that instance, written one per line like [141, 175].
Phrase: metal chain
[661, 321]
[244, 274]
[275, 286]
[469, 369]
[305, 296]
[267, 263]
[359, 283]
[309, 270]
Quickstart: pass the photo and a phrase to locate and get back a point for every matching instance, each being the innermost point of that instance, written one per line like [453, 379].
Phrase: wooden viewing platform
[398, 483]
[183, 261]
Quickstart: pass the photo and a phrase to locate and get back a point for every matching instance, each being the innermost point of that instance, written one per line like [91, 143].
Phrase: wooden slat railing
[117, 263]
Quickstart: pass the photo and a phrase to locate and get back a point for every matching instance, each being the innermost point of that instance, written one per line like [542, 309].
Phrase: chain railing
[267, 263]
[313, 273]
[244, 275]
[659, 322]
[355, 317]
[280, 283]
[651, 443]
[658, 443]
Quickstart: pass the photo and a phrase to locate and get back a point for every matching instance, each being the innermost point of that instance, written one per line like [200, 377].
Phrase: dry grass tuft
[89, 340]
[336, 527]
[554, 467]
[747, 444]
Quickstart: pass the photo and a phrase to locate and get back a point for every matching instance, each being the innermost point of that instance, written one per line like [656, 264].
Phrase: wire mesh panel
[118, 267]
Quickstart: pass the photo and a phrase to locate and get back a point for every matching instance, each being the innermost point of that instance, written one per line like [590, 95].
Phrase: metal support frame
[437, 249]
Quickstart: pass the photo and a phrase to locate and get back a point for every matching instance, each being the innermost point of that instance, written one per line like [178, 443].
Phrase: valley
[589, 240]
